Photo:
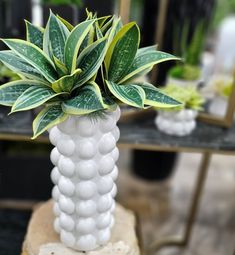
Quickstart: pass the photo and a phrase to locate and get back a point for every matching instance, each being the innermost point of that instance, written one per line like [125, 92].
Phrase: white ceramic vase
[84, 174]
[178, 123]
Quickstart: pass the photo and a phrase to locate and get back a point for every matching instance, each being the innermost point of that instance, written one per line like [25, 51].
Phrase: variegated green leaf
[66, 83]
[74, 42]
[89, 39]
[122, 51]
[33, 97]
[34, 56]
[111, 33]
[46, 42]
[10, 91]
[138, 76]
[98, 31]
[140, 51]
[66, 23]
[146, 60]
[89, 99]
[156, 98]
[90, 61]
[130, 94]
[50, 116]
[34, 34]
[89, 14]
[102, 20]
[105, 27]
[20, 66]
[58, 34]
[60, 67]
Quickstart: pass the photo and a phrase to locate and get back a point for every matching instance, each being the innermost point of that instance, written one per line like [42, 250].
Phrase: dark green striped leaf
[89, 39]
[90, 61]
[130, 94]
[33, 97]
[65, 22]
[34, 56]
[105, 27]
[156, 98]
[34, 34]
[140, 51]
[50, 116]
[98, 31]
[20, 66]
[58, 34]
[89, 99]
[66, 83]
[74, 42]
[10, 91]
[101, 21]
[122, 51]
[111, 33]
[146, 60]
[46, 43]
[60, 67]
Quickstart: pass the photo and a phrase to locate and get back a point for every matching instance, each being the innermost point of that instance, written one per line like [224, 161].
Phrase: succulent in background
[189, 96]
[185, 72]
[80, 70]
[221, 85]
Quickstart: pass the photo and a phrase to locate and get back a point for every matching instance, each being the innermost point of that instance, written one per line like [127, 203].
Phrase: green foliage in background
[81, 70]
[190, 51]
[223, 87]
[223, 9]
[188, 96]
[185, 72]
[63, 2]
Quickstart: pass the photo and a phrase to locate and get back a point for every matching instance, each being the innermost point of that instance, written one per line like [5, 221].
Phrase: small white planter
[84, 157]
[182, 83]
[218, 106]
[178, 123]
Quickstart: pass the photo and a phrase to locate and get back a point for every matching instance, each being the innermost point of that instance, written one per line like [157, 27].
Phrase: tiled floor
[163, 206]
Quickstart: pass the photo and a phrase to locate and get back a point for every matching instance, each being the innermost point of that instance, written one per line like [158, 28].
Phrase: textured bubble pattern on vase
[84, 176]
[179, 123]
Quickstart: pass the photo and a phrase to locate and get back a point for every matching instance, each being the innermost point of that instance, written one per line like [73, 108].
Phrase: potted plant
[220, 88]
[188, 73]
[180, 121]
[80, 75]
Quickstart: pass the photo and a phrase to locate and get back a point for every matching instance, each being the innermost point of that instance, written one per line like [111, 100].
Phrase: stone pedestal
[41, 239]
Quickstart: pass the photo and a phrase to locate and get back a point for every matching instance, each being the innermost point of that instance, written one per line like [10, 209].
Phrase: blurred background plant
[221, 85]
[190, 50]
[189, 96]
[223, 9]
[185, 72]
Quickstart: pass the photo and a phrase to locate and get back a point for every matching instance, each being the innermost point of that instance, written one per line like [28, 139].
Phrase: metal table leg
[194, 207]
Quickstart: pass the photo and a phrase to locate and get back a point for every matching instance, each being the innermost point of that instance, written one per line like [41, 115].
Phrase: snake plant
[89, 68]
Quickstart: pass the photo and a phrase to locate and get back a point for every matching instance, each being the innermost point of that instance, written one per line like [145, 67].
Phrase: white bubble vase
[178, 123]
[84, 176]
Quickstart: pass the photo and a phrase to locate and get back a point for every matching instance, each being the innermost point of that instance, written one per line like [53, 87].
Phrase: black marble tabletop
[141, 135]
[204, 138]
